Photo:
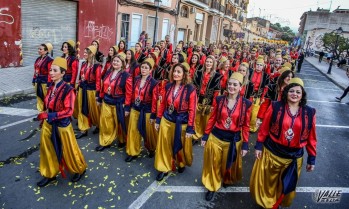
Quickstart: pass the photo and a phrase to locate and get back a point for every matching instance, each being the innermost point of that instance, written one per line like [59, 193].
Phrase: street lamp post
[157, 5]
[338, 32]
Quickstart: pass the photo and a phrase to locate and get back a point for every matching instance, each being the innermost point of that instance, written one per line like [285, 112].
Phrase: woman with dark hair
[112, 52]
[115, 100]
[139, 55]
[89, 87]
[58, 147]
[194, 64]
[99, 55]
[244, 57]
[175, 120]
[73, 63]
[142, 39]
[143, 113]
[208, 87]
[121, 46]
[288, 127]
[157, 49]
[131, 63]
[40, 80]
[224, 149]
[273, 92]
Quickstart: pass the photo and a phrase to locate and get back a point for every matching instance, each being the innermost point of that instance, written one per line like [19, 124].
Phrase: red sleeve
[215, 94]
[48, 70]
[264, 129]
[265, 90]
[162, 105]
[137, 71]
[128, 93]
[203, 59]
[213, 118]
[98, 78]
[154, 100]
[311, 145]
[192, 108]
[246, 126]
[169, 57]
[74, 70]
[170, 47]
[68, 106]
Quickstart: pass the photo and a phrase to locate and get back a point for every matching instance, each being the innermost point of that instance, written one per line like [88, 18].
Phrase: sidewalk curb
[328, 76]
[17, 92]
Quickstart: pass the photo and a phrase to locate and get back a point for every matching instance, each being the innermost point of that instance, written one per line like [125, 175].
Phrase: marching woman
[224, 71]
[42, 66]
[258, 80]
[143, 113]
[121, 46]
[131, 63]
[273, 92]
[99, 55]
[112, 52]
[207, 83]
[175, 123]
[244, 70]
[72, 62]
[194, 64]
[89, 87]
[58, 147]
[139, 55]
[115, 97]
[228, 124]
[288, 127]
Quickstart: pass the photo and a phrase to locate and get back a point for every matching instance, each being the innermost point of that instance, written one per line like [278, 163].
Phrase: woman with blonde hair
[245, 71]
[89, 87]
[175, 123]
[208, 87]
[115, 100]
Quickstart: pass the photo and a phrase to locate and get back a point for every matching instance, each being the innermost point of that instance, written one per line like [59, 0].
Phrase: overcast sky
[288, 12]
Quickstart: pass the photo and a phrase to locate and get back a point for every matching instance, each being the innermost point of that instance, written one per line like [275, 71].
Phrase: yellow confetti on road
[170, 197]
[40, 198]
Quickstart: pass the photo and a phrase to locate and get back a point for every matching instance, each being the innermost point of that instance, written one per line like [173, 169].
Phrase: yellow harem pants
[201, 119]
[109, 128]
[39, 103]
[254, 112]
[74, 160]
[134, 140]
[265, 182]
[215, 161]
[84, 123]
[164, 159]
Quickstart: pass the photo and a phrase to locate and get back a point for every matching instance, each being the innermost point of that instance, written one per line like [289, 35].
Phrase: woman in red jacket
[40, 80]
[228, 124]
[89, 87]
[58, 147]
[143, 113]
[288, 127]
[115, 98]
[175, 122]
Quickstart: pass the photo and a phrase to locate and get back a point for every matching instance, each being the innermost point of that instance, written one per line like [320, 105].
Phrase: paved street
[111, 183]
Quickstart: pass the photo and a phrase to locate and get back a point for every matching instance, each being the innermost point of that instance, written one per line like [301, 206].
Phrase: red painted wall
[97, 20]
[10, 33]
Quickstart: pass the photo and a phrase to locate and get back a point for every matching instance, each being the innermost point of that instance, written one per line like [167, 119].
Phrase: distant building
[256, 28]
[314, 24]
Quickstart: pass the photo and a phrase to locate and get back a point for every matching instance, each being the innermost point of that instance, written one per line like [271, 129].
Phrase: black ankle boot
[130, 158]
[45, 181]
[209, 195]
[77, 177]
[161, 176]
[80, 135]
[100, 148]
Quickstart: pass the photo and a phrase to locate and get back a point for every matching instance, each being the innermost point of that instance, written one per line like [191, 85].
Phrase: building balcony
[204, 4]
[228, 13]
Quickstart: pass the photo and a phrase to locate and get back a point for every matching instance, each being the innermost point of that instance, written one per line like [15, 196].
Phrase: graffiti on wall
[6, 18]
[55, 35]
[91, 30]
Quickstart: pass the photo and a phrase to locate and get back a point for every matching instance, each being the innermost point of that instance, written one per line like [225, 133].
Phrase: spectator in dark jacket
[321, 55]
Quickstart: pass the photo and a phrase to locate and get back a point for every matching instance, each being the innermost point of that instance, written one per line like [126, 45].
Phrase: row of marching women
[172, 99]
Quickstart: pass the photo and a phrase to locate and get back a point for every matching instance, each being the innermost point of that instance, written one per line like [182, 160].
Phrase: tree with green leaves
[287, 33]
[329, 43]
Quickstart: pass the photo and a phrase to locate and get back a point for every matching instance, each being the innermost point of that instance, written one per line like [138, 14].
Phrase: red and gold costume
[58, 146]
[144, 106]
[115, 96]
[208, 88]
[40, 80]
[177, 114]
[282, 138]
[89, 87]
[72, 71]
[224, 130]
